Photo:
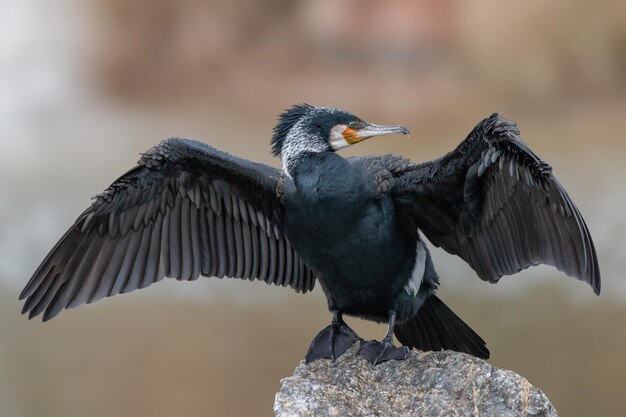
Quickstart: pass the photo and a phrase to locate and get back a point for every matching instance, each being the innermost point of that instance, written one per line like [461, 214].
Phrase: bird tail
[436, 327]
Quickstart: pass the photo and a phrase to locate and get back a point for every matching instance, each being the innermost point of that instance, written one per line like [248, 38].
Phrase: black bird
[353, 224]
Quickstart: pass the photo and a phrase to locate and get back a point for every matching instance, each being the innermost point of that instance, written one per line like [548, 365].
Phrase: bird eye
[352, 125]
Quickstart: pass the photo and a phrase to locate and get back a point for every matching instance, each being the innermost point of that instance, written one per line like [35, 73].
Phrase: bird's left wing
[185, 210]
[495, 204]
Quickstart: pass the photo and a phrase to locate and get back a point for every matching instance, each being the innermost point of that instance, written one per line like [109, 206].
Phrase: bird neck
[291, 161]
[297, 145]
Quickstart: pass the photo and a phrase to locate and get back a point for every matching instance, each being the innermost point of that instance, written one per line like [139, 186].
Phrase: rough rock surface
[427, 384]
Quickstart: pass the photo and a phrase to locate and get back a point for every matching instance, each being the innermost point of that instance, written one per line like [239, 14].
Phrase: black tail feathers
[436, 327]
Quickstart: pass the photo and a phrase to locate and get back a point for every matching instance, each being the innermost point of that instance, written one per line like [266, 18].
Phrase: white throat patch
[336, 139]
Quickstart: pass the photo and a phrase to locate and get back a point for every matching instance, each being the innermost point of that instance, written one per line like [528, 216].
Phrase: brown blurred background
[86, 86]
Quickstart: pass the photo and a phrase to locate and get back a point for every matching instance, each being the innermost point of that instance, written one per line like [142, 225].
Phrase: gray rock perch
[427, 384]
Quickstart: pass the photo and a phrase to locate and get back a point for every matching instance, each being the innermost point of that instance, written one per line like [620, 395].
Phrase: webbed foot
[332, 342]
[377, 352]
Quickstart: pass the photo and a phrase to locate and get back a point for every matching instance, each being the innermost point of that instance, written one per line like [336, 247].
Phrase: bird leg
[377, 352]
[333, 341]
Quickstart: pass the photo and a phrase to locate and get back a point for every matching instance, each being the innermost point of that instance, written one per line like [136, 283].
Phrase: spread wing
[495, 204]
[185, 210]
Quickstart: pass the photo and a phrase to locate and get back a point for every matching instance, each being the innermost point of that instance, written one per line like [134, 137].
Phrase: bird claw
[376, 352]
[332, 342]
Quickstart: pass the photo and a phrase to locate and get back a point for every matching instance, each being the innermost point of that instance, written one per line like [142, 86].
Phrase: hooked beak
[371, 130]
[368, 130]
[343, 135]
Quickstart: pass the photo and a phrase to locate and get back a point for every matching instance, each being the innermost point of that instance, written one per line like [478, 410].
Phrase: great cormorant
[353, 224]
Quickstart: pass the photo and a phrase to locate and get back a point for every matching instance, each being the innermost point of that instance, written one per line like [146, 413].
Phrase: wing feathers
[231, 251]
[196, 243]
[493, 202]
[186, 210]
[154, 264]
[238, 238]
[247, 249]
[264, 246]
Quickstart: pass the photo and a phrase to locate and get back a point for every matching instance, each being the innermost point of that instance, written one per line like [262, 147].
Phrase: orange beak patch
[351, 136]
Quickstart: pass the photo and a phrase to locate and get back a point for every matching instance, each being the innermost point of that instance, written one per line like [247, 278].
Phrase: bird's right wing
[185, 210]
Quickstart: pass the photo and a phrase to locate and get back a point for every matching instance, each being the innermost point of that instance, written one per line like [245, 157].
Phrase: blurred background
[87, 85]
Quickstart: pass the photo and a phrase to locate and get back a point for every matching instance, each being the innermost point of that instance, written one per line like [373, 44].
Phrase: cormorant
[353, 224]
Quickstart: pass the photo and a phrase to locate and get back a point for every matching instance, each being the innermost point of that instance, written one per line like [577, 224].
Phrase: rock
[427, 384]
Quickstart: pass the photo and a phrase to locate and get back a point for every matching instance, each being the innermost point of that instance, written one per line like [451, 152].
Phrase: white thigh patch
[412, 287]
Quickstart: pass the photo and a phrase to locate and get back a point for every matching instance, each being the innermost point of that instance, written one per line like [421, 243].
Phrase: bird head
[306, 128]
